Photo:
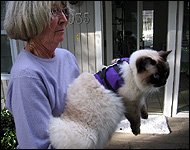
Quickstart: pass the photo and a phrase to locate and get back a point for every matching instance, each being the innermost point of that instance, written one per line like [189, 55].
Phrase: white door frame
[171, 45]
[174, 41]
[98, 11]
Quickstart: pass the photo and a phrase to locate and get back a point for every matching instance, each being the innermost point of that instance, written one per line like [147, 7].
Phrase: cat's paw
[135, 130]
[144, 115]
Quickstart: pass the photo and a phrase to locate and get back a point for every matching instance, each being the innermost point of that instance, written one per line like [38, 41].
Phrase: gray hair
[26, 19]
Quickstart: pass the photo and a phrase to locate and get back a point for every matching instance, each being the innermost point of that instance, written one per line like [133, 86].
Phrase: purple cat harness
[111, 77]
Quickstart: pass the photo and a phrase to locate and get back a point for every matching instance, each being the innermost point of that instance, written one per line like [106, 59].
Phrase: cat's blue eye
[156, 76]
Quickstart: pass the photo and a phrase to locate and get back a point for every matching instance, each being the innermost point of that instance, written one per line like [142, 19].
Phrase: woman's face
[54, 32]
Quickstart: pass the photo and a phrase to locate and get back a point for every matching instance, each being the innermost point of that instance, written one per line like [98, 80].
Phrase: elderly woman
[42, 72]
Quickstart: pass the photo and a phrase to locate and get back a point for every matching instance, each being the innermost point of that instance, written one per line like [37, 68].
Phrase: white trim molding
[98, 34]
[171, 45]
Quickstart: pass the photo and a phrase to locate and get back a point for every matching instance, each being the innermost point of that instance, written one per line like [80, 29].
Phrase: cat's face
[150, 68]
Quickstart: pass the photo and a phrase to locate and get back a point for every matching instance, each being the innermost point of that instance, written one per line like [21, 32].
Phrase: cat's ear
[144, 63]
[164, 54]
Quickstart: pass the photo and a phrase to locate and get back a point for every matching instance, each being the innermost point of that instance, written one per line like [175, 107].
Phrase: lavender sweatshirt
[36, 90]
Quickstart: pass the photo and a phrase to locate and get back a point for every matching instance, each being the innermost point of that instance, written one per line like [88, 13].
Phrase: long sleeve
[31, 109]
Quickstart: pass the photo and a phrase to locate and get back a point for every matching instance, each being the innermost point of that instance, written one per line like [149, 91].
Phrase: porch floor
[177, 139]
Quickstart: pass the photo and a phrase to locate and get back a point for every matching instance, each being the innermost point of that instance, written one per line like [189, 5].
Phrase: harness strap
[117, 69]
[113, 86]
[111, 77]
[104, 81]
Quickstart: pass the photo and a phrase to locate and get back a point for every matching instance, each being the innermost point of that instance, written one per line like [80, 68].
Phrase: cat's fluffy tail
[66, 134]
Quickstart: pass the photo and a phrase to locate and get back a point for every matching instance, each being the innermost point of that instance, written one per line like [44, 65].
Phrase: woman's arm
[27, 99]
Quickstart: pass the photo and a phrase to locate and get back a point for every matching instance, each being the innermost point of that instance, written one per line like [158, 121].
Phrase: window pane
[183, 98]
[6, 59]
[2, 13]
[124, 16]
[148, 20]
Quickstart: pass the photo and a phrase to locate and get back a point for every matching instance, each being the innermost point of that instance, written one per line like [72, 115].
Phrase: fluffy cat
[149, 71]
[93, 112]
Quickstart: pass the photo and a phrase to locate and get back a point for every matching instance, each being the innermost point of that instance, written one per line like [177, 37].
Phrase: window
[6, 60]
[183, 97]
[8, 46]
[148, 28]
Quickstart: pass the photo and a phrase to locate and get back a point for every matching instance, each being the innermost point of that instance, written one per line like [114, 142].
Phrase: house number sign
[79, 18]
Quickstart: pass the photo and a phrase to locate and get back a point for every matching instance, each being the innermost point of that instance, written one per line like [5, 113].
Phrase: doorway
[140, 25]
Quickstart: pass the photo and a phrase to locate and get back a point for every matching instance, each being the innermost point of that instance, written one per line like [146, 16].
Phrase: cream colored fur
[92, 112]
[90, 117]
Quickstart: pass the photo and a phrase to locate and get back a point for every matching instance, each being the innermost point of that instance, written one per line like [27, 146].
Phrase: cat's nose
[161, 83]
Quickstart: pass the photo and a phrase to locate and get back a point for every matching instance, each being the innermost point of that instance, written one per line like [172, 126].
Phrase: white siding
[80, 36]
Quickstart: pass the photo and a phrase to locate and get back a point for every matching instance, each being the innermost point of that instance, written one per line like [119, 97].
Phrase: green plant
[187, 32]
[8, 133]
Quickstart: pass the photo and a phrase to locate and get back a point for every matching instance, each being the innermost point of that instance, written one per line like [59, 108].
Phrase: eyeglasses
[57, 11]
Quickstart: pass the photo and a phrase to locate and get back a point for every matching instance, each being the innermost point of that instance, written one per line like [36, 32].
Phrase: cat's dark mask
[152, 71]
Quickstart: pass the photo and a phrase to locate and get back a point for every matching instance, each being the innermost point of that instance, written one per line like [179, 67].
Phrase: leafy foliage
[8, 133]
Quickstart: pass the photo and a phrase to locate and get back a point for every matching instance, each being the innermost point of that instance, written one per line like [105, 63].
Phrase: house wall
[80, 35]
